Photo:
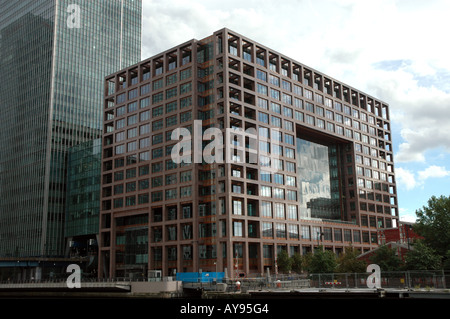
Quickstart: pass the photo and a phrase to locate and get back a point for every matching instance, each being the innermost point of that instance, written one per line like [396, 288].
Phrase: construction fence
[388, 279]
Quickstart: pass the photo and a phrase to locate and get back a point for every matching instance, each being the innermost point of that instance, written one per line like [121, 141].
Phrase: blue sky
[397, 51]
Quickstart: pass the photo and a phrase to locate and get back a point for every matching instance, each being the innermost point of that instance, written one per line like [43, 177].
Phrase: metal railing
[412, 280]
[417, 279]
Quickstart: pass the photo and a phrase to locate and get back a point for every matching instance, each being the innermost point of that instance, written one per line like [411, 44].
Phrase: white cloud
[433, 172]
[405, 178]
[408, 180]
[407, 216]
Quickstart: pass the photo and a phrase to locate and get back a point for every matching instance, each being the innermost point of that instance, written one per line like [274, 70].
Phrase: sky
[397, 51]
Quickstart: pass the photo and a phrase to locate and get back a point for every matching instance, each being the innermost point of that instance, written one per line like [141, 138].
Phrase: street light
[319, 237]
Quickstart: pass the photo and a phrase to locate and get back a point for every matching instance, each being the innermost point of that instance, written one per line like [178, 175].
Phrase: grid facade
[54, 55]
[83, 189]
[331, 181]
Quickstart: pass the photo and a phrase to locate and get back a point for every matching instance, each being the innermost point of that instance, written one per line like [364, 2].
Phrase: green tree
[446, 261]
[386, 258]
[348, 261]
[297, 263]
[422, 257]
[322, 261]
[433, 223]
[284, 262]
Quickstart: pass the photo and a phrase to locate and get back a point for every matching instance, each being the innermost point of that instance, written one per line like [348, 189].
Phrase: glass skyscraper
[54, 55]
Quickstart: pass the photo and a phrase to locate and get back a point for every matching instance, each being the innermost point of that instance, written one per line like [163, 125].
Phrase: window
[275, 94]
[144, 143]
[278, 178]
[121, 98]
[171, 193]
[143, 116]
[132, 107]
[263, 104]
[290, 167]
[275, 107]
[145, 89]
[261, 89]
[157, 196]
[266, 209]
[171, 93]
[280, 230]
[306, 232]
[121, 123]
[237, 207]
[120, 136]
[299, 116]
[171, 79]
[291, 181]
[185, 191]
[157, 153]
[287, 112]
[171, 179]
[184, 74]
[274, 80]
[276, 121]
[261, 75]
[288, 125]
[186, 116]
[267, 229]
[292, 212]
[265, 176]
[289, 139]
[157, 138]
[157, 111]
[287, 99]
[132, 119]
[120, 149]
[266, 191]
[263, 132]
[186, 87]
[170, 107]
[278, 193]
[237, 229]
[144, 129]
[156, 98]
[291, 194]
[185, 102]
[185, 176]
[171, 120]
[263, 117]
[293, 232]
[157, 84]
[278, 209]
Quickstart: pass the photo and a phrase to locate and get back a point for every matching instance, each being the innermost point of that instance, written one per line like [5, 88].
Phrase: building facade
[83, 202]
[403, 234]
[323, 174]
[54, 55]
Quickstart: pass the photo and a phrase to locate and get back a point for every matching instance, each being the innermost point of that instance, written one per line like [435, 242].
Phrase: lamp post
[319, 237]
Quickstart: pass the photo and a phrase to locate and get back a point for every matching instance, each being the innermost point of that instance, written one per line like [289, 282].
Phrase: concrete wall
[156, 286]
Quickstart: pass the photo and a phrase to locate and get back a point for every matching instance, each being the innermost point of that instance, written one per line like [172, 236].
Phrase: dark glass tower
[54, 55]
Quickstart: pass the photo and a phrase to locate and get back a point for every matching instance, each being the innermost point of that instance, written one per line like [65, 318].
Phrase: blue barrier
[200, 277]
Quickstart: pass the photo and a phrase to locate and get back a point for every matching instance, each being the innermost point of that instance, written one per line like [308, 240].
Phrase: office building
[54, 55]
[323, 174]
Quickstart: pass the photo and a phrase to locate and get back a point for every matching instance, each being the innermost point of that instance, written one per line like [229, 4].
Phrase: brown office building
[323, 174]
